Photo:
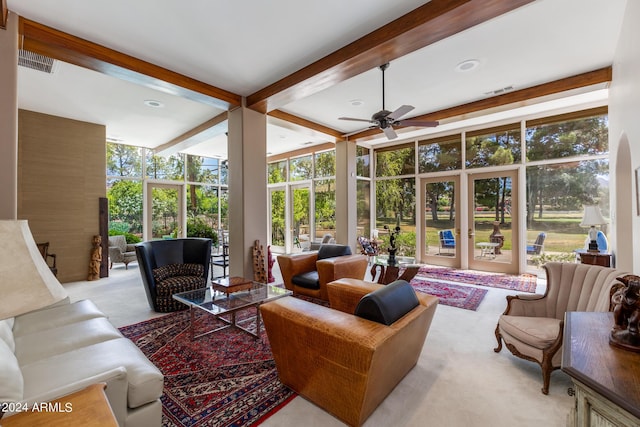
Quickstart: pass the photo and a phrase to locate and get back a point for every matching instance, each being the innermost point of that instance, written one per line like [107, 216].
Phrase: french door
[290, 220]
[440, 237]
[493, 238]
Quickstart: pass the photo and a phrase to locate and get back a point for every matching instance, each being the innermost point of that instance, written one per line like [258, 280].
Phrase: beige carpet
[459, 380]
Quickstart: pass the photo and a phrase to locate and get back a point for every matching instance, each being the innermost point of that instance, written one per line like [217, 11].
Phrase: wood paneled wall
[61, 176]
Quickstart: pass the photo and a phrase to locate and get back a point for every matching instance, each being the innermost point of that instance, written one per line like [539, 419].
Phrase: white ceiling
[244, 45]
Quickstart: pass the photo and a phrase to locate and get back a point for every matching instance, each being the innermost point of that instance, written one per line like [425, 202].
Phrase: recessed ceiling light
[356, 102]
[468, 65]
[153, 103]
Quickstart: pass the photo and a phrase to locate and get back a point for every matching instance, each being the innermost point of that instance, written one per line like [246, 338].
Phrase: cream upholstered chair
[532, 325]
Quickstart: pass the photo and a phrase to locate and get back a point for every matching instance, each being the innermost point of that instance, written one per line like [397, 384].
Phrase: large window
[491, 147]
[441, 154]
[128, 168]
[395, 206]
[395, 161]
[557, 191]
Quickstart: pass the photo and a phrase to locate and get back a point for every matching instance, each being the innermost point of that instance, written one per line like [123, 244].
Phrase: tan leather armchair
[532, 325]
[309, 273]
[345, 364]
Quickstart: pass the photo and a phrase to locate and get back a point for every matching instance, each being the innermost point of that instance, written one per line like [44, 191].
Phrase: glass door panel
[301, 217]
[493, 222]
[441, 232]
[277, 220]
[165, 207]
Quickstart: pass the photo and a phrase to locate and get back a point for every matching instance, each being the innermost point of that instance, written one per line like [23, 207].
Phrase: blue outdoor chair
[536, 247]
[447, 240]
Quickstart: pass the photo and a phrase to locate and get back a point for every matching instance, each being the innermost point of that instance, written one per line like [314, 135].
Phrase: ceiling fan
[385, 120]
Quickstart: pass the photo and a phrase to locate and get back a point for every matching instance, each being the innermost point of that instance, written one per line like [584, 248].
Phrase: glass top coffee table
[219, 303]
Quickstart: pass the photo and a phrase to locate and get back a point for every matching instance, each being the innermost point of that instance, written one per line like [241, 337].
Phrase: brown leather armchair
[532, 325]
[343, 363]
[309, 273]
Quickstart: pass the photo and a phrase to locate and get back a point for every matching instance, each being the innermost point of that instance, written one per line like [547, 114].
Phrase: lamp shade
[26, 282]
[592, 216]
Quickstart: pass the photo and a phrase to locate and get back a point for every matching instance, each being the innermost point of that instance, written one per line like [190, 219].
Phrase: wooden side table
[606, 378]
[88, 408]
[602, 258]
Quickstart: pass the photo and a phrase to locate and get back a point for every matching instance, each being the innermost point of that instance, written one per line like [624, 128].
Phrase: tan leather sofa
[532, 325]
[49, 353]
[345, 364]
[300, 270]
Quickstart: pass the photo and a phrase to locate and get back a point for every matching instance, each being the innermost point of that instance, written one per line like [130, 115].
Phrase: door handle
[471, 233]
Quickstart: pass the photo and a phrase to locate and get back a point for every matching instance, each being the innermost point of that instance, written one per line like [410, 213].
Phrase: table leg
[191, 323]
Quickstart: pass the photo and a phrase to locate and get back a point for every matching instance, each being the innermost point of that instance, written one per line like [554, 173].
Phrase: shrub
[197, 227]
[539, 260]
[129, 237]
[119, 227]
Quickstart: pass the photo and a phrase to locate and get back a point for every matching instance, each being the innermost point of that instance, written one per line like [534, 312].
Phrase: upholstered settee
[49, 353]
[171, 266]
[308, 273]
[344, 363]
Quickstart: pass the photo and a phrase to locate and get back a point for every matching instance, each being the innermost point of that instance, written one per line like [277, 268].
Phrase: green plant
[129, 237]
[539, 260]
[197, 227]
[118, 227]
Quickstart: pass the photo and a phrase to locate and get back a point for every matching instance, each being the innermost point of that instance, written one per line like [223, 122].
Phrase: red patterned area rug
[458, 296]
[227, 378]
[520, 283]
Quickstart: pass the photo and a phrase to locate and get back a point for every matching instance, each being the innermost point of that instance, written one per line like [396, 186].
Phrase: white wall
[624, 125]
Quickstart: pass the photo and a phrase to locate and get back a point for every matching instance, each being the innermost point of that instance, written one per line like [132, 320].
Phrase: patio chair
[220, 260]
[536, 247]
[120, 251]
[447, 240]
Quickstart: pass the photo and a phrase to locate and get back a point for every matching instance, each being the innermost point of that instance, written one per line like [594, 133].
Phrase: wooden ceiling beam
[279, 114]
[4, 14]
[427, 24]
[603, 75]
[65, 47]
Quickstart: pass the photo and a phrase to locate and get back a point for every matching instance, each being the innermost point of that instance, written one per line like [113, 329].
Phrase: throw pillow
[388, 304]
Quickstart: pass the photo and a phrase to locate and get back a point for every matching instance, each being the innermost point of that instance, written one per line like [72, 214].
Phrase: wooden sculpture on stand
[96, 258]
[259, 271]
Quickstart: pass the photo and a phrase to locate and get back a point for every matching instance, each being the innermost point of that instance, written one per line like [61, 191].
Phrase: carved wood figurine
[96, 258]
[626, 315]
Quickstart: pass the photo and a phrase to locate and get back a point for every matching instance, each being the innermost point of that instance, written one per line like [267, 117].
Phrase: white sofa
[48, 353]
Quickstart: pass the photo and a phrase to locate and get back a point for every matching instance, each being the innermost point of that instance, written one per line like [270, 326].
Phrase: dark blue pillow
[388, 304]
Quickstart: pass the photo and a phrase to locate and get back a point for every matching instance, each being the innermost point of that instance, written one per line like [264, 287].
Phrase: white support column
[9, 119]
[248, 209]
[346, 194]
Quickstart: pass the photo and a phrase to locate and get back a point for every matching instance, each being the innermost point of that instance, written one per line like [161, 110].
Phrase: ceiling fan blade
[419, 123]
[404, 109]
[390, 133]
[356, 120]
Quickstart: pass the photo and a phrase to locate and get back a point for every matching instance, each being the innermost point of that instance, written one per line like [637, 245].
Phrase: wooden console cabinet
[606, 378]
[596, 258]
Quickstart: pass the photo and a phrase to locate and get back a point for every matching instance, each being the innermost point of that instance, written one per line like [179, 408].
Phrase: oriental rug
[466, 297]
[227, 378]
[520, 283]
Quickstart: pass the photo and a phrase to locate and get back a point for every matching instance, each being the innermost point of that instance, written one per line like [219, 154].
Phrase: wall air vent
[499, 91]
[35, 61]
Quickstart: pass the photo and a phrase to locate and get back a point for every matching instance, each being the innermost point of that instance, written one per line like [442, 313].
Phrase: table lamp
[26, 281]
[592, 217]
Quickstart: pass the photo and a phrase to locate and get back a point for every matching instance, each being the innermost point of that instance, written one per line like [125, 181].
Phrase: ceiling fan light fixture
[467, 65]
